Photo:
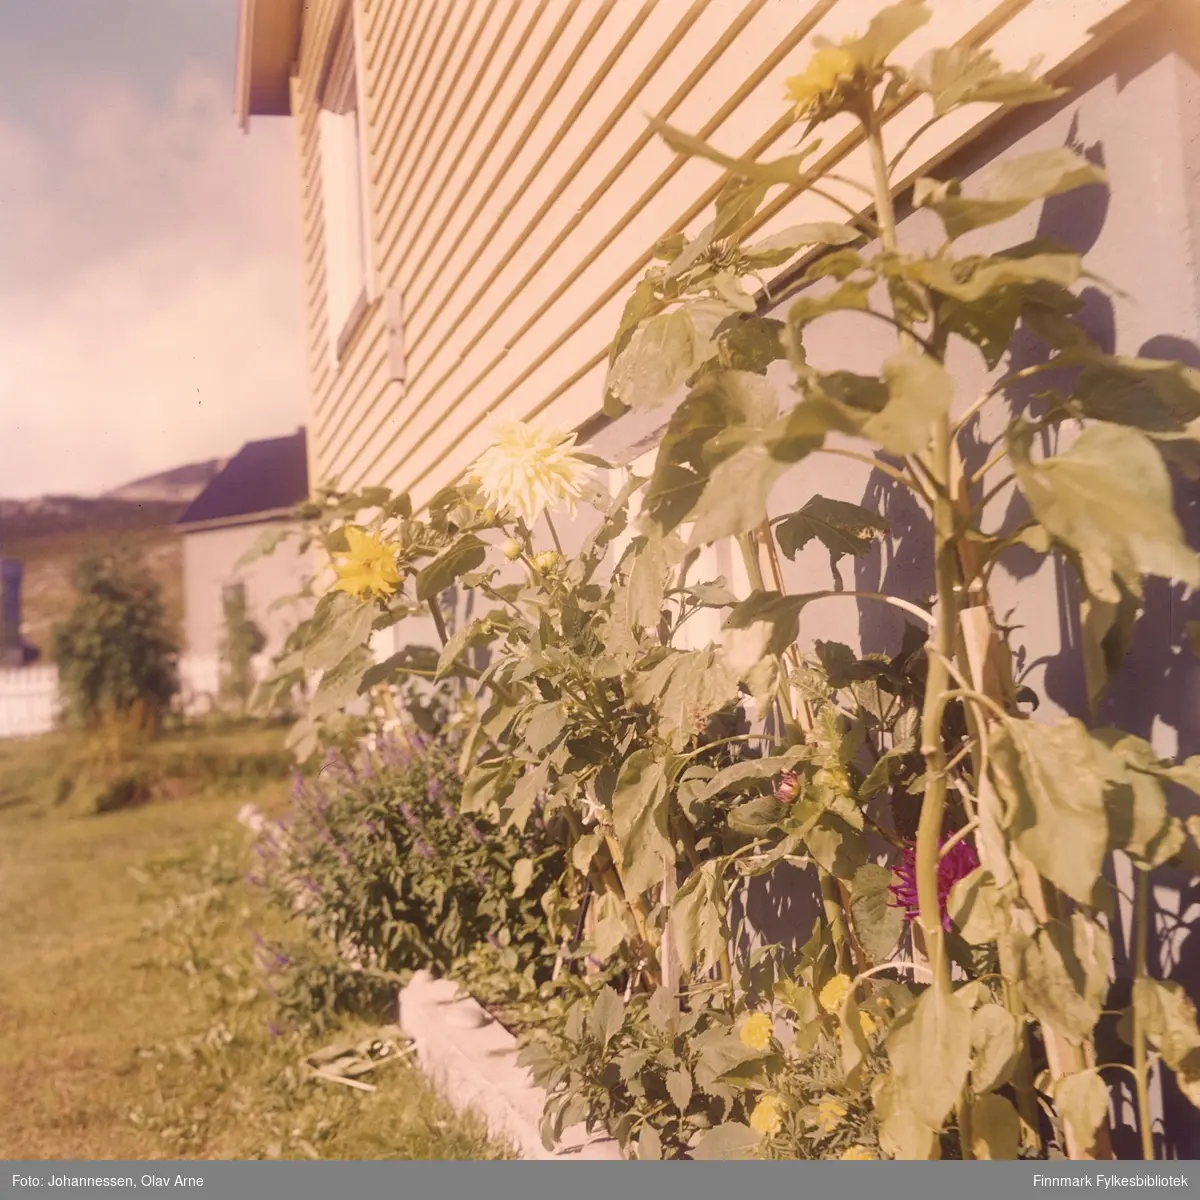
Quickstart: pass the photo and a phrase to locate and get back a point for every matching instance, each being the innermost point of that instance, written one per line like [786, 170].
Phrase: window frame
[345, 183]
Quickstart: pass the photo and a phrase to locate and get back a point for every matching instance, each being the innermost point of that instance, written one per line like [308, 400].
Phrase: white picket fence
[29, 700]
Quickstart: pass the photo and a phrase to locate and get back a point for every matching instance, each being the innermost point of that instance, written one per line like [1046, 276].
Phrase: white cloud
[150, 305]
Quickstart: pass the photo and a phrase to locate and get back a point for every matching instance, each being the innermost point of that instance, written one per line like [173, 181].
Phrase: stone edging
[472, 1060]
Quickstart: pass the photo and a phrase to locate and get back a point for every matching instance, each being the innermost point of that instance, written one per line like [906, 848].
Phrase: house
[256, 491]
[482, 189]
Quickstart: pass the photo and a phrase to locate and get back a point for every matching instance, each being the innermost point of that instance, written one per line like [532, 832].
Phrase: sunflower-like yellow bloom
[826, 70]
[867, 1022]
[369, 565]
[834, 993]
[756, 1033]
[830, 1114]
[529, 470]
[857, 1154]
[767, 1117]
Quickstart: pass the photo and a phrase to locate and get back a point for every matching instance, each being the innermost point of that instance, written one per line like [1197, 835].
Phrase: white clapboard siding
[515, 188]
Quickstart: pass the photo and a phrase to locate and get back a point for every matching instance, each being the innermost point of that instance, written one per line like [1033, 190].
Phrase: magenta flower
[952, 867]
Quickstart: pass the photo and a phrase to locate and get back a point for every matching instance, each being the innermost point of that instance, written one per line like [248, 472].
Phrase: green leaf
[1108, 500]
[679, 1087]
[264, 545]
[1063, 976]
[698, 917]
[640, 821]
[974, 907]
[764, 623]
[786, 170]
[700, 435]
[840, 527]
[1169, 1018]
[1157, 397]
[758, 817]
[902, 1134]
[686, 690]
[959, 75]
[970, 280]
[346, 626]
[731, 1140]
[995, 1046]
[779, 247]
[852, 294]
[753, 769]
[342, 684]
[895, 413]
[656, 362]
[521, 799]
[888, 28]
[877, 922]
[607, 1016]
[648, 578]
[464, 554]
[649, 1144]
[930, 1048]
[412, 660]
[995, 1128]
[522, 874]
[1051, 779]
[751, 344]
[1082, 1103]
[546, 722]
[1009, 185]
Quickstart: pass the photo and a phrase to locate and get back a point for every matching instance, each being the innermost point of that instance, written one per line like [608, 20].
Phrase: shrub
[241, 640]
[376, 860]
[115, 654]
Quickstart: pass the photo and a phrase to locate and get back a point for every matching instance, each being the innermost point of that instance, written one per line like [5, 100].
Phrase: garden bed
[472, 1060]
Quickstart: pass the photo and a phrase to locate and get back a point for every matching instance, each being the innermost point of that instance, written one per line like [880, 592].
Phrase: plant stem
[933, 807]
[553, 532]
[1141, 1066]
[438, 620]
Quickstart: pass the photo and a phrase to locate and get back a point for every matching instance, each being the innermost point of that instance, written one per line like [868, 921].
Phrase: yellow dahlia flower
[827, 68]
[368, 567]
[857, 1154]
[867, 1022]
[529, 470]
[834, 993]
[756, 1033]
[767, 1117]
[830, 1113]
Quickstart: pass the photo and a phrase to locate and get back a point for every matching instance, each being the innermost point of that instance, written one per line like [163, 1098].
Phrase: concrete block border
[472, 1060]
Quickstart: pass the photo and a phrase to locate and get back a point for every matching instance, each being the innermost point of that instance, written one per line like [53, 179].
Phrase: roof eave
[268, 45]
[274, 516]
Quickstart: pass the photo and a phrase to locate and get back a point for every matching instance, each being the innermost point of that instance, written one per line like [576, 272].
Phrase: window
[342, 191]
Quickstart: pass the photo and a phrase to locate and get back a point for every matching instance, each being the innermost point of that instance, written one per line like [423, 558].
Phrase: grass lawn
[134, 1021]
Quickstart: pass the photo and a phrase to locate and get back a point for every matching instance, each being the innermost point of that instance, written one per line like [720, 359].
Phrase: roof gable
[262, 477]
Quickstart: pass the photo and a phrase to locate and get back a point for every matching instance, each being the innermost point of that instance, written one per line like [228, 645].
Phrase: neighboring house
[481, 191]
[256, 491]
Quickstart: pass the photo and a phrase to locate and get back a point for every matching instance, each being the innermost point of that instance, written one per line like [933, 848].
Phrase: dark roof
[261, 477]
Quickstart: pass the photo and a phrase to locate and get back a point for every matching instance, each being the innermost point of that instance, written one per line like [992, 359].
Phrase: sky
[150, 291]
